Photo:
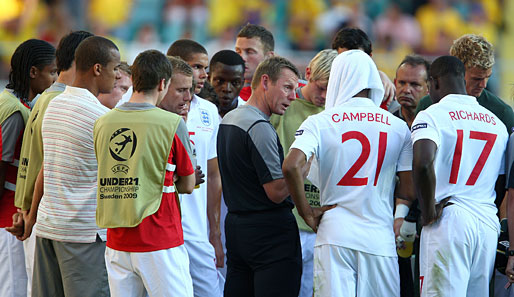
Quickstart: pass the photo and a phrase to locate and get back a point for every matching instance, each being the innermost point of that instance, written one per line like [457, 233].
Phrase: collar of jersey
[265, 116]
[461, 99]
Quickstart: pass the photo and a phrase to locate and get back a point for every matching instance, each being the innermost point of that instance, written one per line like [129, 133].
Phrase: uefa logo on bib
[204, 116]
[123, 144]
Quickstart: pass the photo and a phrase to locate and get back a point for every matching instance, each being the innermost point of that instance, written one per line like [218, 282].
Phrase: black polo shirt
[249, 155]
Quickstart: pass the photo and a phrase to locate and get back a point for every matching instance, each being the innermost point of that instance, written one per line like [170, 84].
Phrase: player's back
[359, 149]
[471, 143]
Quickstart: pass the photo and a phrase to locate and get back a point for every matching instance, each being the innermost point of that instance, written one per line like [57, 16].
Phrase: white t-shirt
[358, 148]
[202, 123]
[459, 126]
[67, 211]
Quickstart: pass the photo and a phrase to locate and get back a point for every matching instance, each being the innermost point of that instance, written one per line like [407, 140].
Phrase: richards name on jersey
[471, 116]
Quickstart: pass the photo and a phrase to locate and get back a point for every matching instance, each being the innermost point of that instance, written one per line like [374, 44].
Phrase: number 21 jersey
[471, 143]
[358, 149]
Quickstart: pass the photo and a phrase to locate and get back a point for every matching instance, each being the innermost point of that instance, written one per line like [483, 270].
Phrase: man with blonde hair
[310, 100]
[477, 54]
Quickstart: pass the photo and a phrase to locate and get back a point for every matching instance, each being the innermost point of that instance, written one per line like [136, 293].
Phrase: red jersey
[163, 229]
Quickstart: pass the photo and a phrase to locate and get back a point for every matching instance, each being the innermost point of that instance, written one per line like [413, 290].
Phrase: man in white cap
[358, 150]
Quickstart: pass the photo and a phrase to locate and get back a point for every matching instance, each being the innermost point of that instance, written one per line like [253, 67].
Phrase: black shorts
[264, 255]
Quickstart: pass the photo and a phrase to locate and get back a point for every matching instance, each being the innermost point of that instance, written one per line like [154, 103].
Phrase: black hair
[32, 52]
[227, 57]
[252, 31]
[185, 48]
[93, 50]
[65, 53]
[447, 65]
[352, 38]
[148, 69]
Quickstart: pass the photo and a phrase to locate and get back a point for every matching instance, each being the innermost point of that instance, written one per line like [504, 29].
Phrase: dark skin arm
[500, 190]
[509, 269]
[424, 179]
[213, 209]
[199, 176]
[294, 169]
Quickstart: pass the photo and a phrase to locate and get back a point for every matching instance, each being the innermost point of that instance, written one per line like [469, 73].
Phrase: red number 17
[349, 178]
[454, 173]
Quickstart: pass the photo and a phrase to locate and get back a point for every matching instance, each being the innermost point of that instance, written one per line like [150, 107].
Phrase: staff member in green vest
[477, 54]
[32, 71]
[31, 155]
[142, 160]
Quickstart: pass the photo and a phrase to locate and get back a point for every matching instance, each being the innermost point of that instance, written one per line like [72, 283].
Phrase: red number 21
[489, 138]
[349, 178]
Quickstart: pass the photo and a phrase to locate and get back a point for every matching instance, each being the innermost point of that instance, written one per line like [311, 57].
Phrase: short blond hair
[180, 66]
[321, 64]
[474, 51]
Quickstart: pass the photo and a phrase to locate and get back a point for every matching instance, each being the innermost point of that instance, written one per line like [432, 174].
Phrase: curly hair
[474, 51]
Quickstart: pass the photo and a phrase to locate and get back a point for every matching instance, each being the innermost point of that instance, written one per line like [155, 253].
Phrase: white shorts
[223, 215]
[13, 277]
[207, 281]
[457, 255]
[340, 271]
[29, 246]
[307, 240]
[159, 273]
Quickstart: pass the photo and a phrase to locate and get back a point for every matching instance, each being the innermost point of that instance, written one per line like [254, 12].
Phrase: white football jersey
[358, 148]
[471, 143]
[202, 123]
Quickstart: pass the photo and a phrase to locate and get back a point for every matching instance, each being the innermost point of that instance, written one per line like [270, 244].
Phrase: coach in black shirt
[263, 245]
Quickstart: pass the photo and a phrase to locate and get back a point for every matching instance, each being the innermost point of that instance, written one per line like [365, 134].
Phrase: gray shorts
[69, 269]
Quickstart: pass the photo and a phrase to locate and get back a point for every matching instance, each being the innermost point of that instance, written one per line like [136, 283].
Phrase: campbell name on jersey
[358, 149]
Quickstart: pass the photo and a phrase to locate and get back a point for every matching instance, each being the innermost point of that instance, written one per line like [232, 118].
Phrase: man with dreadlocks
[33, 69]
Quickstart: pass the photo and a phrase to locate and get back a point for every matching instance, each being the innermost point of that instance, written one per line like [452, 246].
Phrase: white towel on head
[353, 71]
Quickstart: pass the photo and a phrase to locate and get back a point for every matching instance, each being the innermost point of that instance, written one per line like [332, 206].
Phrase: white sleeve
[307, 138]
[212, 143]
[405, 158]
[423, 127]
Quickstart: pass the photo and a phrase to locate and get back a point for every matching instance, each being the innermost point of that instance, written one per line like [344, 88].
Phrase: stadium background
[300, 27]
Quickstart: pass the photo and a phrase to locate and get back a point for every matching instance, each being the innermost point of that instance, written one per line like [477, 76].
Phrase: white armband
[401, 211]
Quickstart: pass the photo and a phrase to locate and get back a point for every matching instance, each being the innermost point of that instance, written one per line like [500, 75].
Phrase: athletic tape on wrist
[401, 211]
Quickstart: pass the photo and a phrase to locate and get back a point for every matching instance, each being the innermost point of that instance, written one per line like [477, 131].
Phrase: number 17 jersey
[358, 148]
[471, 143]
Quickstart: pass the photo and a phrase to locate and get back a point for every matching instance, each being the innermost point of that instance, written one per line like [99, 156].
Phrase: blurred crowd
[396, 27]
